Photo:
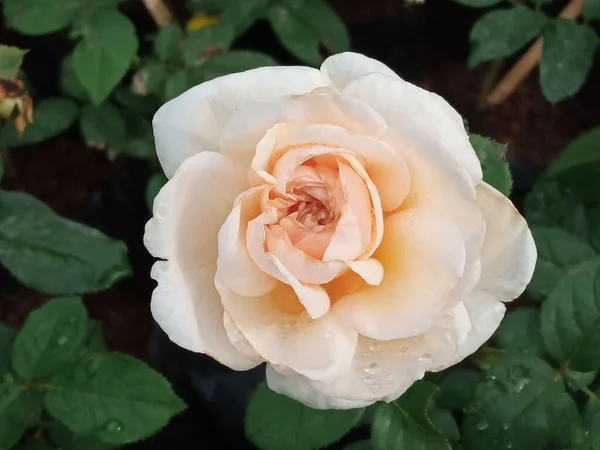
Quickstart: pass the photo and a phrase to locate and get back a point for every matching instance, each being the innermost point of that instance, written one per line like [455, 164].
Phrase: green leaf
[591, 419]
[68, 81]
[242, 15]
[584, 149]
[177, 83]
[155, 184]
[65, 439]
[591, 9]
[558, 251]
[7, 337]
[20, 409]
[515, 406]
[103, 126]
[94, 338]
[200, 44]
[51, 334]
[33, 446]
[105, 53]
[405, 422]
[457, 388]
[360, 445]
[567, 57]
[51, 117]
[519, 332]
[143, 104]
[502, 32]
[575, 378]
[443, 421]
[302, 25]
[478, 3]
[150, 79]
[114, 398]
[492, 156]
[274, 422]
[10, 61]
[571, 318]
[140, 140]
[54, 255]
[39, 16]
[1, 166]
[234, 61]
[166, 46]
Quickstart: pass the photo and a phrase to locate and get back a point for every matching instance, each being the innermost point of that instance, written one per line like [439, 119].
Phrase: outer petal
[508, 254]
[317, 348]
[423, 256]
[426, 118]
[194, 121]
[185, 303]
[299, 388]
[342, 68]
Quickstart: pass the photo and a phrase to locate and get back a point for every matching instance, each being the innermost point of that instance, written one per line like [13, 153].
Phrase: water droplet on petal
[374, 347]
[62, 340]
[375, 386]
[329, 334]
[447, 321]
[403, 351]
[286, 326]
[426, 358]
[388, 376]
[113, 426]
[368, 380]
[373, 369]
[483, 425]
[367, 354]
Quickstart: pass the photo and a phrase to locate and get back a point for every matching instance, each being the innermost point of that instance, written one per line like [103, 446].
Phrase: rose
[332, 223]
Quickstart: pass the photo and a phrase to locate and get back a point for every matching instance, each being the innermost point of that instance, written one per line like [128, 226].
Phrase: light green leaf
[502, 32]
[478, 3]
[105, 53]
[20, 409]
[39, 16]
[7, 337]
[567, 57]
[103, 126]
[575, 378]
[51, 117]
[457, 388]
[51, 334]
[150, 79]
[519, 332]
[584, 149]
[515, 406]
[143, 104]
[54, 255]
[10, 61]
[140, 140]
[405, 422]
[558, 251]
[492, 156]
[274, 422]
[302, 25]
[571, 318]
[68, 81]
[206, 41]
[591, 9]
[166, 46]
[65, 439]
[234, 61]
[114, 398]
[155, 183]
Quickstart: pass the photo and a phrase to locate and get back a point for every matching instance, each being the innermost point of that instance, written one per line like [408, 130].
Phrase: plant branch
[529, 60]
[159, 11]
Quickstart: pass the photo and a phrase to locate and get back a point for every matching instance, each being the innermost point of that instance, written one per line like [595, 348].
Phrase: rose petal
[369, 270]
[342, 68]
[423, 255]
[290, 340]
[508, 254]
[194, 121]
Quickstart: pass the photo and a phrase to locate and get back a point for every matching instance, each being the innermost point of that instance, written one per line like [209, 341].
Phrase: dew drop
[374, 347]
[375, 386]
[447, 321]
[403, 351]
[425, 359]
[368, 380]
[113, 426]
[388, 376]
[506, 426]
[509, 445]
[62, 340]
[483, 425]
[286, 326]
[373, 369]
[367, 354]
[519, 385]
[329, 335]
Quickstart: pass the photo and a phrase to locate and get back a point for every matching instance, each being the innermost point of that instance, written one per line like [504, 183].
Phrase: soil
[427, 44]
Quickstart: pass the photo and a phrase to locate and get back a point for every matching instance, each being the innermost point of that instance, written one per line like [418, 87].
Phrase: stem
[488, 82]
[563, 373]
[529, 60]
[159, 11]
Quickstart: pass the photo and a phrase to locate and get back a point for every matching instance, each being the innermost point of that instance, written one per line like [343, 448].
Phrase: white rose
[333, 223]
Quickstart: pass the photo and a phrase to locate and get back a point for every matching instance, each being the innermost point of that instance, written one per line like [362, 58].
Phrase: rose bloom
[332, 223]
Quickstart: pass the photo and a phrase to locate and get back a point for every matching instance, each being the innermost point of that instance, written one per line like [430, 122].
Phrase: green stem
[489, 81]
[592, 396]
